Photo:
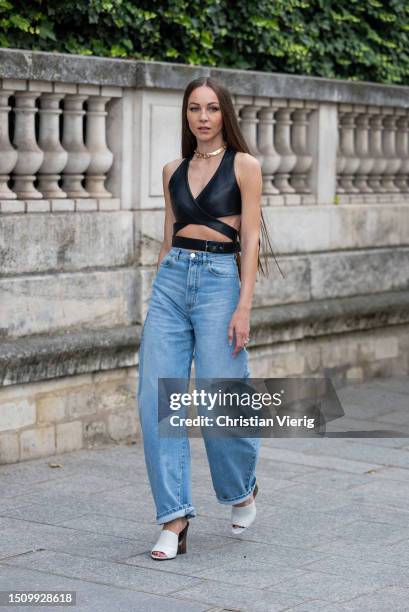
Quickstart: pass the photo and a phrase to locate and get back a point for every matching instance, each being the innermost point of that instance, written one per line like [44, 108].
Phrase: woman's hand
[240, 324]
[162, 254]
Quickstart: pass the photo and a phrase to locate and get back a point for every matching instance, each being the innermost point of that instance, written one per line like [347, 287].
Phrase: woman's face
[203, 113]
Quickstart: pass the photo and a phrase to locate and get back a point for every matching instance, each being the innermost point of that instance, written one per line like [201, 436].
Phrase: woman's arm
[249, 178]
[168, 170]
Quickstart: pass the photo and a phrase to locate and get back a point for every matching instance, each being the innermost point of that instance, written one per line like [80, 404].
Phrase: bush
[348, 39]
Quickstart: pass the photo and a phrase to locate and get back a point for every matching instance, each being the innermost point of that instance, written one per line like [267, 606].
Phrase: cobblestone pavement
[332, 527]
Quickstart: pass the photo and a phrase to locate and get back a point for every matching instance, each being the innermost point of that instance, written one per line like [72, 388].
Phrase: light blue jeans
[194, 296]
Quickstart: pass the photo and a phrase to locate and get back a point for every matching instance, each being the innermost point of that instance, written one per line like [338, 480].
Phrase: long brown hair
[234, 138]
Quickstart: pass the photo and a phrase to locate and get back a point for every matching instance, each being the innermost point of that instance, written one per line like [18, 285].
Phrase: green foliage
[347, 39]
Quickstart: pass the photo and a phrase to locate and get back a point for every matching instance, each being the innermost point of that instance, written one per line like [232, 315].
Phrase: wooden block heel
[182, 544]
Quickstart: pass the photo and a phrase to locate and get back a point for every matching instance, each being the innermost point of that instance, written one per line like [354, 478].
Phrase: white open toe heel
[244, 516]
[170, 543]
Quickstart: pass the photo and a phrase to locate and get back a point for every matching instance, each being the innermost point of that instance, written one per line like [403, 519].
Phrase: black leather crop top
[220, 197]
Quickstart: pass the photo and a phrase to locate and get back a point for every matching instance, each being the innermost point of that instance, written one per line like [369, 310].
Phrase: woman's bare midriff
[203, 232]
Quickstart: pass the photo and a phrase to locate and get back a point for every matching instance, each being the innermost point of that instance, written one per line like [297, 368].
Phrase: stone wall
[65, 414]
[82, 144]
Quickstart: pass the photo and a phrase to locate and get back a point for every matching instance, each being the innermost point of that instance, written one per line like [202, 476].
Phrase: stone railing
[64, 156]
[70, 158]
[373, 153]
[90, 136]
[277, 132]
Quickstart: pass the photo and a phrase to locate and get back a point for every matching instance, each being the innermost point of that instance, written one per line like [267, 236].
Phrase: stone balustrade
[373, 154]
[372, 150]
[53, 146]
[277, 132]
[53, 142]
[90, 136]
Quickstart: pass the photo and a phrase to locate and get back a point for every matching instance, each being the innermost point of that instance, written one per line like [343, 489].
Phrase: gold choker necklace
[206, 155]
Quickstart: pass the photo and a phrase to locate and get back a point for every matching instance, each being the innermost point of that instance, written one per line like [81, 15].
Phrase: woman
[201, 302]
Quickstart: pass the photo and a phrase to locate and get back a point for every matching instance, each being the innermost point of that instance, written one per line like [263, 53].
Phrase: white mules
[170, 543]
[244, 516]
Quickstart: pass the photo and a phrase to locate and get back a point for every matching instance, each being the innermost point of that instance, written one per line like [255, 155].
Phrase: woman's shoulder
[246, 167]
[170, 168]
[247, 161]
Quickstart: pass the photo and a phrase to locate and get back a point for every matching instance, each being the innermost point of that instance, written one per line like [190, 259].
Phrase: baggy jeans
[194, 296]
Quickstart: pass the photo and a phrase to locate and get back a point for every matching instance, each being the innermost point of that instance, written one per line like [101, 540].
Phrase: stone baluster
[238, 104]
[340, 164]
[349, 162]
[283, 146]
[55, 157]
[8, 155]
[402, 150]
[73, 142]
[366, 162]
[393, 162]
[299, 142]
[249, 121]
[95, 140]
[376, 150]
[271, 159]
[29, 155]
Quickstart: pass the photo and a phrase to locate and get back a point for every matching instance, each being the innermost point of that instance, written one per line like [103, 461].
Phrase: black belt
[211, 246]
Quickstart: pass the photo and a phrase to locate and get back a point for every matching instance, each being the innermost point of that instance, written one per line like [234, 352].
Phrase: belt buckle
[206, 245]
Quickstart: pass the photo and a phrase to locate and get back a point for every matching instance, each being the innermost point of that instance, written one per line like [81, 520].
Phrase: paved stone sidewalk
[332, 531]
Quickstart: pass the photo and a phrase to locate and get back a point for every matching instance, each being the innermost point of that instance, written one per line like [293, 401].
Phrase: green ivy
[346, 39]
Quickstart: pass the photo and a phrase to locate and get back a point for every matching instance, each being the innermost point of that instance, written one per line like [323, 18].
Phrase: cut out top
[220, 197]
